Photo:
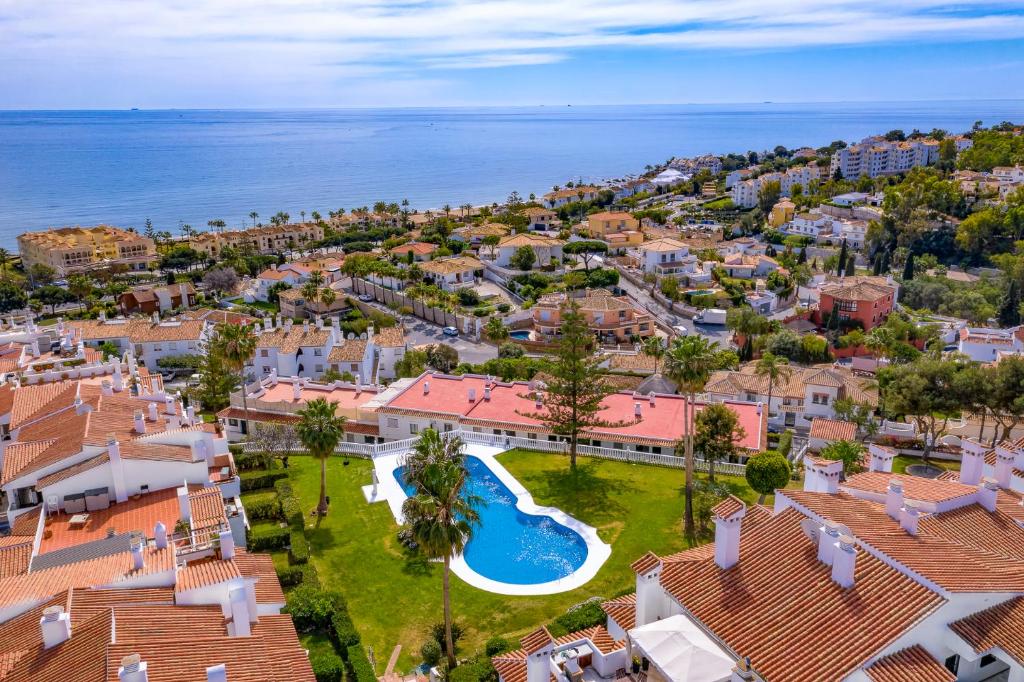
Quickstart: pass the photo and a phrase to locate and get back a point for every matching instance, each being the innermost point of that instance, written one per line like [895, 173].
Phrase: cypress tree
[802, 258]
[1009, 308]
[876, 268]
[908, 268]
[886, 262]
[842, 260]
[851, 265]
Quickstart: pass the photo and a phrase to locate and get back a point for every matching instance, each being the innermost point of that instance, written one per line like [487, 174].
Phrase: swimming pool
[509, 545]
[521, 334]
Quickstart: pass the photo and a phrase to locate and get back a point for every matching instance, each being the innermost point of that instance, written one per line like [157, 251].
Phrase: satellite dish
[810, 529]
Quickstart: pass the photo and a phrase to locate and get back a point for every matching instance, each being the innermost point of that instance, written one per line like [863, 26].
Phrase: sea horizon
[187, 166]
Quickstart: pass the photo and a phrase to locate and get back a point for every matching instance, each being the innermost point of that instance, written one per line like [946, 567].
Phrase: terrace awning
[681, 651]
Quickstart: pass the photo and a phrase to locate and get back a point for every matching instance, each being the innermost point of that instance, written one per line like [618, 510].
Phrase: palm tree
[254, 215]
[320, 429]
[689, 362]
[235, 344]
[441, 514]
[653, 347]
[775, 368]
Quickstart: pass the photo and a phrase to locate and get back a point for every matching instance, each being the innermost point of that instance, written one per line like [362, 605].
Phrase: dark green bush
[255, 480]
[327, 666]
[310, 576]
[437, 633]
[431, 652]
[263, 509]
[269, 539]
[311, 608]
[290, 507]
[479, 670]
[343, 632]
[299, 551]
[290, 576]
[497, 645]
[581, 617]
[359, 666]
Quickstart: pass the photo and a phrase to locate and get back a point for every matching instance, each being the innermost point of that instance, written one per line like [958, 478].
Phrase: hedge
[290, 576]
[343, 632]
[313, 609]
[290, 507]
[359, 666]
[299, 551]
[264, 509]
[254, 480]
[268, 540]
[327, 666]
[581, 617]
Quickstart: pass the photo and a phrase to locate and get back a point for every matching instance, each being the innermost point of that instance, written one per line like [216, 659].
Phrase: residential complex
[75, 249]
[612, 318]
[271, 239]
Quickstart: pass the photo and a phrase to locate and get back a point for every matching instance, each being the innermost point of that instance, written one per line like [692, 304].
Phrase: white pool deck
[388, 490]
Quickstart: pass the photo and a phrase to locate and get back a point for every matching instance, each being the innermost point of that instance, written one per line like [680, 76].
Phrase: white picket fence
[398, 447]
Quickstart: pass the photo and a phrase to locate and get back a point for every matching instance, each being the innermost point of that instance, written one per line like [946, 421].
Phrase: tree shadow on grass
[415, 564]
[580, 492]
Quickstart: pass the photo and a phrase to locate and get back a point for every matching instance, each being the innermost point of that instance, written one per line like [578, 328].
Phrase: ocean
[121, 167]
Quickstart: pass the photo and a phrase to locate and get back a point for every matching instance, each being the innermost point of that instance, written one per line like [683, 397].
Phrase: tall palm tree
[254, 215]
[235, 344]
[320, 430]
[442, 513]
[689, 362]
[775, 368]
[653, 347]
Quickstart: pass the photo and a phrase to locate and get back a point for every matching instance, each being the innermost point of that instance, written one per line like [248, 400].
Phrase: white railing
[398, 447]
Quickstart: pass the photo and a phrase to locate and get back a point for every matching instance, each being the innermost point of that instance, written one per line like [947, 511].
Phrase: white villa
[666, 257]
[545, 249]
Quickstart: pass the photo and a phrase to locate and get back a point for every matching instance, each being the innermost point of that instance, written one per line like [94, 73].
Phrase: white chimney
[103, 316]
[881, 458]
[487, 392]
[1004, 466]
[472, 395]
[153, 411]
[118, 377]
[184, 506]
[727, 538]
[239, 611]
[894, 499]
[138, 560]
[909, 517]
[217, 673]
[972, 461]
[426, 387]
[183, 288]
[988, 493]
[652, 400]
[636, 410]
[160, 535]
[133, 669]
[106, 388]
[278, 324]
[156, 318]
[305, 326]
[319, 322]
[828, 535]
[140, 422]
[844, 561]
[296, 389]
[822, 476]
[227, 545]
[191, 411]
[288, 325]
[538, 659]
[55, 625]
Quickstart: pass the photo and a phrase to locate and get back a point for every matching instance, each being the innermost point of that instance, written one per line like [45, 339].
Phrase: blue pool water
[520, 334]
[509, 546]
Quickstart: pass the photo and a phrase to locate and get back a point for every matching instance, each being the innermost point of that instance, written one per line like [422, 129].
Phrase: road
[642, 296]
[419, 332]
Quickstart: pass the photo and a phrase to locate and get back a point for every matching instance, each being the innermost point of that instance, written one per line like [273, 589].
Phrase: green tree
[40, 275]
[718, 430]
[926, 392]
[215, 385]
[851, 453]
[908, 268]
[775, 368]
[442, 513]
[1009, 307]
[5, 258]
[11, 297]
[320, 429]
[523, 258]
[768, 194]
[654, 347]
[841, 263]
[574, 395]
[442, 357]
[235, 345]
[766, 473]
[689, 362]
[858, 413]
[496, 330]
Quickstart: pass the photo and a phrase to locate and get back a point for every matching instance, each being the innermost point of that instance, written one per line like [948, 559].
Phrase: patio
[141, 514]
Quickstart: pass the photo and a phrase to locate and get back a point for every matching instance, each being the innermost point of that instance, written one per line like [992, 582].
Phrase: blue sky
[310, 53]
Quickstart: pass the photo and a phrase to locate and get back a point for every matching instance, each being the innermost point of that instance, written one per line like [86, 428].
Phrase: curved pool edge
[598, 551]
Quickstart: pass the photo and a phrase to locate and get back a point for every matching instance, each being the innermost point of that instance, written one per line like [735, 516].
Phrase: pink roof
[346, 397]
[510, 403]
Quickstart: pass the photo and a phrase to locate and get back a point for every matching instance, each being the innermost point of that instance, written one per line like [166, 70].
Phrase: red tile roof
[645, 563]
[912, 664]
[622, 610]
[914, 487]
[831, 429]
[728, 507]
[536, 640]
[999, 626]
[205, 572]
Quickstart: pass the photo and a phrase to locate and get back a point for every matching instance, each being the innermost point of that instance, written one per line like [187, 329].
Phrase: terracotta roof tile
[999, 626]
[832, 429]
[350, 350]
[536, 640]
[912, 664]
[15, 558]
[261, 567]
[390, 337]
[728, 507]
[645, 563]
[914, 487]
[204, 573]
[622, 610]
[291, 341]
[207, 507]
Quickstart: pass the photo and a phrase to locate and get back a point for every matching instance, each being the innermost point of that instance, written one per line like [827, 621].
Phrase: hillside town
[749, 418]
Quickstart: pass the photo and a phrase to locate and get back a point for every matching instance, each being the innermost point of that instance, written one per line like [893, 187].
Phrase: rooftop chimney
[118, 377]
[471, 395]
[239, 611]
[319, 322]
[156, 318]
[426, 387]
[133, 669]
[988, 493]
[652, 400]
[227, 545]
[169, 405]
[487, 392]
[160, 535]
[55, 625]
[103, 316]
[844, 561]
[153, 412]
[894, 499]
[138, 560]
[828, 535]
[106, 388]
[288, 325]
[140, 422]
[636, 410]
[727, 537]
[1004, 466]
[909, 517]
[881, 458]
[184, 506]
[972, 461]
[305, 326]
[217, 673]
[191, 412]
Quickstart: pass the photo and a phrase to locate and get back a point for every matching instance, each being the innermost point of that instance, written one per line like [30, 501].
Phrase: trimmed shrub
[299, 551]
[431, 652]
[327, 666]
[263, 509]
[343, 632]
[437, 633]
[359, 666]
[267, 540]
[254, 480]
[290, 576]
[290, 507]
[479, 670]
[497, 645]
[785, 443]
[309, 575]
[312, 608]
[581, 617]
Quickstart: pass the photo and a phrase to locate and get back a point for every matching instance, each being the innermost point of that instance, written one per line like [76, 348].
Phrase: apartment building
[268, 240]
[879, 157]
[76, 249]
[868, 300]
[745, 192]
[147, 340]
[452, 274]
[149, 299]
[600, 225]
[611, 318]
[569, 195]
[918, 578]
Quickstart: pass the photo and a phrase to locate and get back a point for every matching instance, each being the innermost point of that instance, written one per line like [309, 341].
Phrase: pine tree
[876, 268]
[1009, 308]
[908, 268]
[842, 260]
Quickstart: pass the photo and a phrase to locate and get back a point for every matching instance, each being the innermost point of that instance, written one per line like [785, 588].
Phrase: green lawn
[265, 305]
[394, 599]
[901, 462]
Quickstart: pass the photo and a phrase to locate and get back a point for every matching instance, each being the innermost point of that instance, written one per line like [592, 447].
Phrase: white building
[879, 157]
[545, 249]
[666, 257]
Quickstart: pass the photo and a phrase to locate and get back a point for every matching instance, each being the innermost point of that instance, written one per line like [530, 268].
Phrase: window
[317, 352]
[319, 369]
[532, 436]
[617, 446]
[264, 353]
[233, 422]
[447, 428]
[392, 422]
[173, 345]
[819, 398]
[414, 429]
[987, 659]
[953, 663]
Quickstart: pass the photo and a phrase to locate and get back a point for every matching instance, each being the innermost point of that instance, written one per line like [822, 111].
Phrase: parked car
[365, 298]
[450, 331]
